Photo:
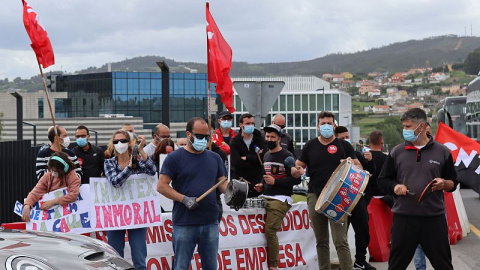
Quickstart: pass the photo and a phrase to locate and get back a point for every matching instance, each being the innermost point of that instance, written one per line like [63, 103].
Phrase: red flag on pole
[40, 42]
[219, 62]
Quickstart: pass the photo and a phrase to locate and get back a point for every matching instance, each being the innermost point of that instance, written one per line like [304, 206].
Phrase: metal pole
[34, 132]
[96, 136]
[19, 99]
[165, 92]
[323, 93]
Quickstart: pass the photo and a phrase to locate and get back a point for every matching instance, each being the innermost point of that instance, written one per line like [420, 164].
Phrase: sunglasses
[201, 136]
[122, 141]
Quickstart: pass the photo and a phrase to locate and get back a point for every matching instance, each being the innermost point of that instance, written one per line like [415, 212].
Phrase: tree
[472, 63]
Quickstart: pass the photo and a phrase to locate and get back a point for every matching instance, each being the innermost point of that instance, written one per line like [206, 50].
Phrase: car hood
[59, 250]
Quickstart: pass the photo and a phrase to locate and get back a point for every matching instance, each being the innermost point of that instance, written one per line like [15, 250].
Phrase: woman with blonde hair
[117, 170]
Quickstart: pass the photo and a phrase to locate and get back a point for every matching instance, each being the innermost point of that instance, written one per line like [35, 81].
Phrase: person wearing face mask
[160, 132]
[246, 152]
[409, 168]
[90, 157]
[287, 141]
[117, 170]
[277, 187]
[192, 170]
[59, 141]
[359, 217]
[224, 134]
[60, 174]
[322, 155]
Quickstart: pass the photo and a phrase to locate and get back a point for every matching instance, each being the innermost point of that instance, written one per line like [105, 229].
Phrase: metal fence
[17, 176]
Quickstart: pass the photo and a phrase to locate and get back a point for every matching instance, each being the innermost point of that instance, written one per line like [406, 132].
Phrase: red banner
[465, 153]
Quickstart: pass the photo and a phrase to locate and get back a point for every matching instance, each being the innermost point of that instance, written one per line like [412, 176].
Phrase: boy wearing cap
[224, 134]
[277, 186]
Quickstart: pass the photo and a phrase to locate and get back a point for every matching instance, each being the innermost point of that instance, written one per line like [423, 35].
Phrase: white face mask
[66, 142]
[121, 147]
[55, 174]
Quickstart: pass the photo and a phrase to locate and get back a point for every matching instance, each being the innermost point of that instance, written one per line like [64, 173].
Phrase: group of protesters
[266, 161]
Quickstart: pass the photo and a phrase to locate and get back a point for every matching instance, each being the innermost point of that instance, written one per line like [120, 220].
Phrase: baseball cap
[274, 128]
[225, 113]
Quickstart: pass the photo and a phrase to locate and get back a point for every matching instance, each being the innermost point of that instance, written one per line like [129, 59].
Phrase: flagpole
[56, 142]
[209, 92]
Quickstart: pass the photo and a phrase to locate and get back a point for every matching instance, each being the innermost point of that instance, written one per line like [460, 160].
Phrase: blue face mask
[326, 131]
[248, 129]
[409, 134]
[82, 142]
[199, 145]
[349, 141]
[226, 124]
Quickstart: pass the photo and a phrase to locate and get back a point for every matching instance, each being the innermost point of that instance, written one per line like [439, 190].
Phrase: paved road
[466, 253]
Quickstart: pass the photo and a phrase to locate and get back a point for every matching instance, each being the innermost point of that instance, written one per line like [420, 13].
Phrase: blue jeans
[137, 238]
[185, 238]
[419, 259]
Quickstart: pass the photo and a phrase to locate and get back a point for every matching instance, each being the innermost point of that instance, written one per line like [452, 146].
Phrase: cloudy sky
[88, 33]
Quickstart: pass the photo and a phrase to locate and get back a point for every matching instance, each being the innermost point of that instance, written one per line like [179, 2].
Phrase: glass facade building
[137, 94]
[300, 101]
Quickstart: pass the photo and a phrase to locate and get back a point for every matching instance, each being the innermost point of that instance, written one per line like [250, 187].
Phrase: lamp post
[323, 93]
[348, 118]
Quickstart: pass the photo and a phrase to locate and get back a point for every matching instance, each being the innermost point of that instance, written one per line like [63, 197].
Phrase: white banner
[136, 204]
[71, 218]
[242, 241]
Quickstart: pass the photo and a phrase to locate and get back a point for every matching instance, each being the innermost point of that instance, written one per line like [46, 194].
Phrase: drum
[236, 194]
[254, 203]
[342, 191]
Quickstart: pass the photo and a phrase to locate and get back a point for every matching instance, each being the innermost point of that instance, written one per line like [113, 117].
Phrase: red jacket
[217, 138]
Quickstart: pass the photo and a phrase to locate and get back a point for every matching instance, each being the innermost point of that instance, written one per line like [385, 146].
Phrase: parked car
[32, 250]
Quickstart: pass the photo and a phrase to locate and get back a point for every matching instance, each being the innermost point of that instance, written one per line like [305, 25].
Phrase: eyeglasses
[201, 136]
[122, 141]
[164, 136]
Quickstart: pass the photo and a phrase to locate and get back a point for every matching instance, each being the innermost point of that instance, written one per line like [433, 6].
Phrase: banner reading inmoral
[71, 218]
[136, 204]
[242, 241]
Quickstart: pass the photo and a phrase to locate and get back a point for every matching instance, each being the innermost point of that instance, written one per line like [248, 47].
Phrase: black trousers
[430, 232]
[359, 221]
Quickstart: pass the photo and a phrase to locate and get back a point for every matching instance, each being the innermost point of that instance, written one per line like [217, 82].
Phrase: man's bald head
[279, 120]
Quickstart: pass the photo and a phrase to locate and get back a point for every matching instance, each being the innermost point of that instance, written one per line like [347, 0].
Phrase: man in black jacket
[246, 154]
[90, 157]
[409, 168]
[277, 185]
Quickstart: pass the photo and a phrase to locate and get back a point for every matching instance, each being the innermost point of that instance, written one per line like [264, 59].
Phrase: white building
[424, 92]
[300, 102]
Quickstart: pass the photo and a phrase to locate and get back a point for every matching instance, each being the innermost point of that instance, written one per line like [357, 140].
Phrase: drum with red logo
[342, 191]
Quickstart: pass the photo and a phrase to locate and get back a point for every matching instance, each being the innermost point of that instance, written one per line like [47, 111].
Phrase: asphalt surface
[466, 253]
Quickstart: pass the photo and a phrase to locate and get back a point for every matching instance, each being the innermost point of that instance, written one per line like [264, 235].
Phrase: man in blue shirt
[192, 170]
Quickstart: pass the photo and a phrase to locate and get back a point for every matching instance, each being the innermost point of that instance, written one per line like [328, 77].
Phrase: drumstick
[211, 189]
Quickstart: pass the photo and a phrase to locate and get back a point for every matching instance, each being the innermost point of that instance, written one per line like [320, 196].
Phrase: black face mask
[271, 144]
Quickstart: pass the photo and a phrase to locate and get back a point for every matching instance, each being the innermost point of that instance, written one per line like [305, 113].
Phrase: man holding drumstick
[410, 167]
[192, 171]
[322, 155]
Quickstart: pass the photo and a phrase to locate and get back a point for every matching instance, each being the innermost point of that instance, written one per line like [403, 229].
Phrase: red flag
[219, 62]
[40, 41]
[465, 153]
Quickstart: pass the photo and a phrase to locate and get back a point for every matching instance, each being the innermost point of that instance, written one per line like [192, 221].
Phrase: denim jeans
[185, 238]
[137, 238]
[419, 259]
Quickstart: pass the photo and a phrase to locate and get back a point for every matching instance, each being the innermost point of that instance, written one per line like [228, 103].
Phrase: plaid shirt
[117, 176]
